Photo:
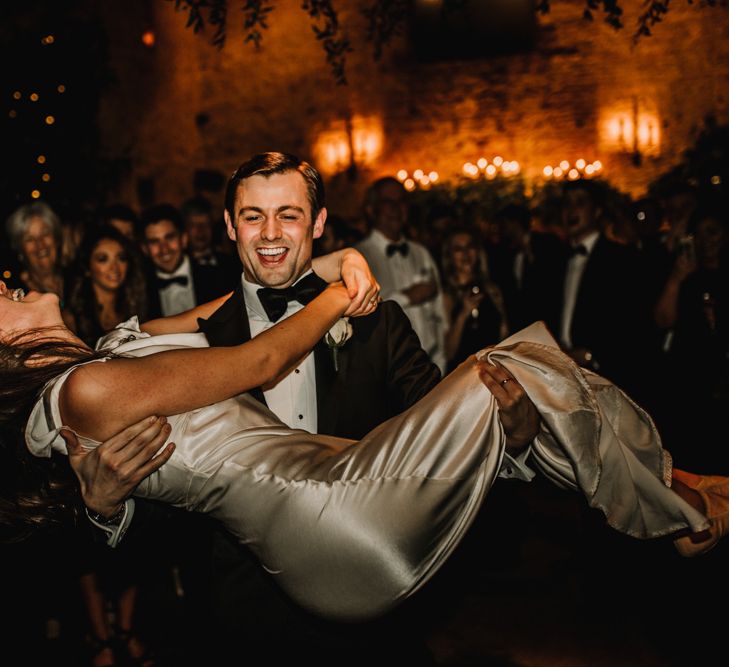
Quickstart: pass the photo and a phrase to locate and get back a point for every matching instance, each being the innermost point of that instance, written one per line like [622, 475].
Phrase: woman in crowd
[107, 288]
[347, 529]
[694, 307]
[473, 302]
[107, 285]
[35, 234]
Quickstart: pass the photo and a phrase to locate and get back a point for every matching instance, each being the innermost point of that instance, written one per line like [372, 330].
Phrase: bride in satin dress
[348, 529]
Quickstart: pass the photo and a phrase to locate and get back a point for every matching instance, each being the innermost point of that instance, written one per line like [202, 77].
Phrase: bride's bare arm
[351, 267]
[184, 322]
[98, 400]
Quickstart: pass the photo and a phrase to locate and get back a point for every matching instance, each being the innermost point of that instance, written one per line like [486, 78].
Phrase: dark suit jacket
[612, 314]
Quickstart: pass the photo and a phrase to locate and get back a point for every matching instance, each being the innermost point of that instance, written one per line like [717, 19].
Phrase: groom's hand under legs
[109, 474]
[518, 415]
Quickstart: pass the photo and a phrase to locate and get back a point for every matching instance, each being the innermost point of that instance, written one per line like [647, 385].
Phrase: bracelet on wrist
[113, 520]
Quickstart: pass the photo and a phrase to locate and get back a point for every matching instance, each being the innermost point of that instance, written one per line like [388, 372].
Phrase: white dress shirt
[573, 278]
[176, 298]
[293, 398]
[398, 273]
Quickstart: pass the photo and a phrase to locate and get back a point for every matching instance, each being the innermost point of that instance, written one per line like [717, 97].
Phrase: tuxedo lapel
[229, 326]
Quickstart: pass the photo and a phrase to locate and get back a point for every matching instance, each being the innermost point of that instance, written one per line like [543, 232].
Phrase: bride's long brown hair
[34, 492]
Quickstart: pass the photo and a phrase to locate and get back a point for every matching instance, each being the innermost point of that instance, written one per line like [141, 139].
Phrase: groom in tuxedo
[274, 209]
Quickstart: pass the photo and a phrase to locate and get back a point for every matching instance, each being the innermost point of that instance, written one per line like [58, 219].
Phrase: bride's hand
[362, 287]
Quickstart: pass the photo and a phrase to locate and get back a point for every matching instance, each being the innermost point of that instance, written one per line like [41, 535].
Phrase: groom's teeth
[271, 251]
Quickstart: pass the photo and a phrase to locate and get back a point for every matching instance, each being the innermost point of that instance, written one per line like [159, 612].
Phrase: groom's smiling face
[273, 228]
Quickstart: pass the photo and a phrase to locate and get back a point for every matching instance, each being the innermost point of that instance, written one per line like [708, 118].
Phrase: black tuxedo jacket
[382, 370]
[612, 314]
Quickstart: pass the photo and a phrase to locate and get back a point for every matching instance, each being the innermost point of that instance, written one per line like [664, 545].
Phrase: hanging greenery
[386, 19]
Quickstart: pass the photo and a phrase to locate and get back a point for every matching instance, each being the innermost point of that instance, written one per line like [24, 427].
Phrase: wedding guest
[604, 322]
[694, 306]
[404, 268]
[108, 286]
[181, 283]
[200, 226]
[473, 302]
[35, 234]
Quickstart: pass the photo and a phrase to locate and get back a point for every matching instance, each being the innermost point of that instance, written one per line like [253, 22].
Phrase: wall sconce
[632, 131]
[348, 145]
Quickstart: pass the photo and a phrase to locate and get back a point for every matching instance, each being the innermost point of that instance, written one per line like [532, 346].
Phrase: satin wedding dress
[349, 529]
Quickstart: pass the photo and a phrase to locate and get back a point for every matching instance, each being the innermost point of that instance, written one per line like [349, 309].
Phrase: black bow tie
[402, 248]
[174, 280]
[578, 250]
[275, 301]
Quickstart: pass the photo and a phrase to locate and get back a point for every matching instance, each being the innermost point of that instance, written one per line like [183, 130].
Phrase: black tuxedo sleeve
[411, 373]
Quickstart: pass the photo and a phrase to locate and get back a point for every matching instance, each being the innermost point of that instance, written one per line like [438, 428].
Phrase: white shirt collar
[589, 242]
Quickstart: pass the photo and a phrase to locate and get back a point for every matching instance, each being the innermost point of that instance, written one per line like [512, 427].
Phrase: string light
[482, 163]
[35, 194]
[46, 177]
[589, 170]
[580, 164]
[498, 160]
[50, 120]
[17, 95]
[402, 175]
[433, 176]
[12, 113]
[547, 171]
[34, 97]
[564, 165]
[148, 38]
[716, 179]
[41, 159]
[7, 274]
[61, 88]
[557, 172]
[409, 184]
[418, 174]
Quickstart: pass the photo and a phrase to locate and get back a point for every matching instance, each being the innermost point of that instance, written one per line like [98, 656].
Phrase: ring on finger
[503, 382]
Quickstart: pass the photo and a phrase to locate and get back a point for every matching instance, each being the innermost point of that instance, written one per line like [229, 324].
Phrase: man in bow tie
[604, 314]
[274, 209]
[178, 282]
[405, 269]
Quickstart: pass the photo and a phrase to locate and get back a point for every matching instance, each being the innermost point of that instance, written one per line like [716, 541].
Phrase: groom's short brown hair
[267, 164]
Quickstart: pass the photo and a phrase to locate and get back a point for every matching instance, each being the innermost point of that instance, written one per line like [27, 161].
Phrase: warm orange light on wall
[347, 144]
[631, 131]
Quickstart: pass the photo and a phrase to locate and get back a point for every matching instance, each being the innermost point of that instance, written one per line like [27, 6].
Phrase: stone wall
[183, 105]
